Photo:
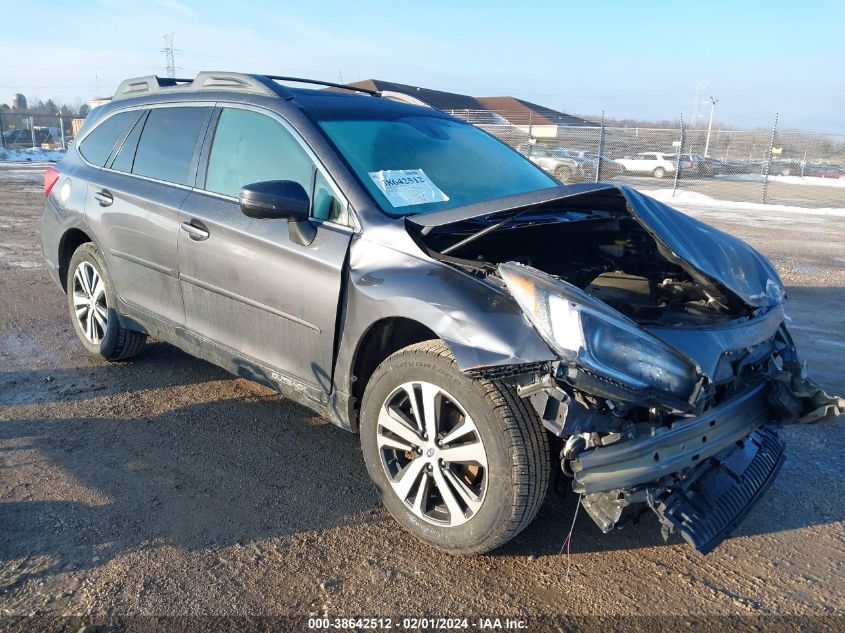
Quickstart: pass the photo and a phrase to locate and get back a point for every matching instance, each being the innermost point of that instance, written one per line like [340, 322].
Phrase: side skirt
[336, 406]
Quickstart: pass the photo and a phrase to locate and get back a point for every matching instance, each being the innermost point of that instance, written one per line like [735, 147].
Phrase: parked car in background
[656, 164]
[735, 167]
[562, 166]
[7, 136]
[585, 169]
[822, 170]
[783, 167]
[23, 138]
[702, 166]
[609, 167]
[791, 167]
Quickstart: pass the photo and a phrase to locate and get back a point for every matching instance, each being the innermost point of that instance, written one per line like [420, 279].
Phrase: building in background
[544, 122]
[534, 120]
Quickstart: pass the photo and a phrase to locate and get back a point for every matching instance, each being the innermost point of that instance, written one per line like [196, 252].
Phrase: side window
[325, 206]
[98, 145]
[126, 154]
[167, 143]
[250, 147]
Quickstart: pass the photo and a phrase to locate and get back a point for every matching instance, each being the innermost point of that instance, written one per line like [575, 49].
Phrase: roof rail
[232, 82]
[328, 84]
[403, 97]
[229, 81]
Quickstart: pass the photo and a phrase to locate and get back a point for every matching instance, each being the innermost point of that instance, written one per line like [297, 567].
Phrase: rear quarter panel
[64, 209]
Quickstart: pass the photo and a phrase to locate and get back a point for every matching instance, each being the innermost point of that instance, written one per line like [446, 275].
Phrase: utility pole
[713, 103]
[168, 55]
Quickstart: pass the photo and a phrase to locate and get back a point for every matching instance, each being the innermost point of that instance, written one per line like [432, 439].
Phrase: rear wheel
[91, 302]
[462, 464]
[564, 174]
[659, 172]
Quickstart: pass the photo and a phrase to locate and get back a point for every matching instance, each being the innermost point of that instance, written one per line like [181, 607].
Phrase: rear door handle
[104, 198]
[196, 229]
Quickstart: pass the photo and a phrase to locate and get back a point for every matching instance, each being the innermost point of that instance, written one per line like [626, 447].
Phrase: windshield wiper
[483, 232]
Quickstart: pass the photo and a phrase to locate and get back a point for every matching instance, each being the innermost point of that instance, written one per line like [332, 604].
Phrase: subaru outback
[411, 278]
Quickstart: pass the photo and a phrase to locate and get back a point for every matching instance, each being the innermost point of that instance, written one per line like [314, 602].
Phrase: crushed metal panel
[686, 443]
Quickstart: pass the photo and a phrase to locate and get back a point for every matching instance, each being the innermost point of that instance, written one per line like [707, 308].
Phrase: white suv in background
[657, 164]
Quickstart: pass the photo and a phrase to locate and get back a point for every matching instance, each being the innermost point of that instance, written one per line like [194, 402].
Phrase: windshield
[417, 163]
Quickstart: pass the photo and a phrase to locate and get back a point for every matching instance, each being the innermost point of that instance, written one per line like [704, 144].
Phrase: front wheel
[462, 464]
[659, 172]
[91, 302]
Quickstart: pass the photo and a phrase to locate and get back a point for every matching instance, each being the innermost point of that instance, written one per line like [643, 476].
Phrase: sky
[631, 59]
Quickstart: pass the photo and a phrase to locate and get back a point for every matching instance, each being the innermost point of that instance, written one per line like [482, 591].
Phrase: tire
[564, 174]
[659, 172]
[106, 338]
[508, 488]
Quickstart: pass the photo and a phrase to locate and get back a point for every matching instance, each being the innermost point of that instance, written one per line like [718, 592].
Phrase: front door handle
[196, 229]
[104, 198]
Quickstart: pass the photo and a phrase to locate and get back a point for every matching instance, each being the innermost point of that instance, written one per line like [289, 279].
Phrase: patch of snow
[740, 177]
[35, 154]
[816, 181]
[691, 198]
[809, 180]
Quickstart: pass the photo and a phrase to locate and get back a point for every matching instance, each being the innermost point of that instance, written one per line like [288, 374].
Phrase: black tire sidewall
[107, 346]
[495, 515]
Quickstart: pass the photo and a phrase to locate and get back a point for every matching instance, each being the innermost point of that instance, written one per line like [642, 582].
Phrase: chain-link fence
[689, 166]
[21, 131]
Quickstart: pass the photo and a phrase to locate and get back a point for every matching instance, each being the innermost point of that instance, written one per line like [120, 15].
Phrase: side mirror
[277, 199]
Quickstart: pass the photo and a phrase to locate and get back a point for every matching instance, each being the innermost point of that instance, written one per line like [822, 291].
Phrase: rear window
[166, 148]
[126, 154]
[98, 145]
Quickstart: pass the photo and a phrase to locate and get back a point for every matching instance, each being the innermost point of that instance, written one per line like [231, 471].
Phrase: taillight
[51, 176]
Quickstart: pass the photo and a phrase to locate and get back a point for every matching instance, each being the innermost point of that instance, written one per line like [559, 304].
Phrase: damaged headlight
[590, 334]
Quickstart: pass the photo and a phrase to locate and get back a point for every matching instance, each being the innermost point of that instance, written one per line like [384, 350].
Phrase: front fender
[482, 325]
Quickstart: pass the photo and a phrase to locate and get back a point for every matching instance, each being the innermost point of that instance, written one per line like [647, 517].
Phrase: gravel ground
[165, 486]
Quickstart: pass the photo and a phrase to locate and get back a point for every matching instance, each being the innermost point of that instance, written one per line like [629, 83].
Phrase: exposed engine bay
[675, 359]
[609, 255]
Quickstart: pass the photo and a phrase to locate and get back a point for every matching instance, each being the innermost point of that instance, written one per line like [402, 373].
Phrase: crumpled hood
[718, 256]
[711, 257]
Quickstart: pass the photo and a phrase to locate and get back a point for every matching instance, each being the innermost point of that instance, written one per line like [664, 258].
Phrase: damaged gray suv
[413, 279]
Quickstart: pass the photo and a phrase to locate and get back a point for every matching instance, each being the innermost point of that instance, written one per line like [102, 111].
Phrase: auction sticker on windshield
[404, 187]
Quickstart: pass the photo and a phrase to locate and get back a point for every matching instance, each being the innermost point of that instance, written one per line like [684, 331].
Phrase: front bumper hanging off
[701, 476]
[709, 504]
[685, 444]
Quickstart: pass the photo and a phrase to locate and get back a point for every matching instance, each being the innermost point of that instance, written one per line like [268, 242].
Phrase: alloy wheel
[89, 302]
[432, 453]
